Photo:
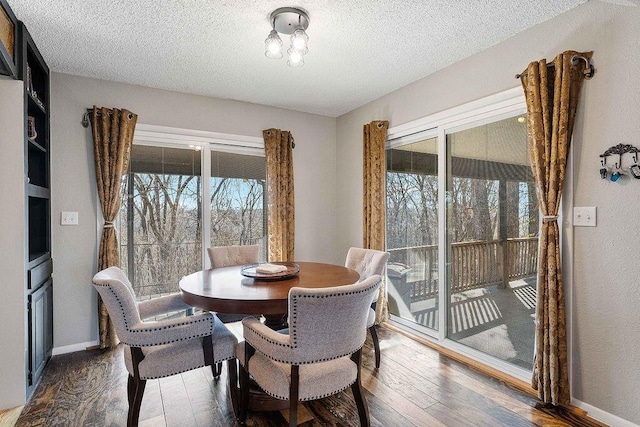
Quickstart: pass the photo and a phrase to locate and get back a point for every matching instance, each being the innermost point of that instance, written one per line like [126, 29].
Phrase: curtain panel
[373, 190]
[552, 92]
[112, 138]
[278, 146]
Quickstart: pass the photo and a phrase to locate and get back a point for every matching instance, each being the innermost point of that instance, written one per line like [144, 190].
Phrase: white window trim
[153, 134]
[487, 109]
[469, 112]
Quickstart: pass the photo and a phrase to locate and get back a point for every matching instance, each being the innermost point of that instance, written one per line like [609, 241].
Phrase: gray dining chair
[321, 354]
[369, 262]
[226, 256]
[156, 349]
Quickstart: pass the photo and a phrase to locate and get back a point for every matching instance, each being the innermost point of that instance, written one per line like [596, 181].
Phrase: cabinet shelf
[37, 191]
[36, 103]
[34, 144]
[37, 258]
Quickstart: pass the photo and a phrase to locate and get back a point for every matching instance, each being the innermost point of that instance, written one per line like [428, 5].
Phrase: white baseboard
[73, 347]
[602, 416]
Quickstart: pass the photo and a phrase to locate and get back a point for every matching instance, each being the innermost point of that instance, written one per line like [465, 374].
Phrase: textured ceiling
[359, 50]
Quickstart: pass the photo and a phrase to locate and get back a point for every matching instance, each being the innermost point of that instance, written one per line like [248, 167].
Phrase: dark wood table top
[226, 290]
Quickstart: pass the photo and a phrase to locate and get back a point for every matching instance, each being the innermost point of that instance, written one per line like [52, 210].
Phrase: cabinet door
[40, 330]
[8, 38]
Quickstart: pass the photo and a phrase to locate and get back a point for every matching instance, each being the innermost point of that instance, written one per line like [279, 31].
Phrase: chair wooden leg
[135, 390]
[232, 370]
[131, 388]
[358, 394]
[293, 396]
[244, 394]
[376, 344]
[216, 369]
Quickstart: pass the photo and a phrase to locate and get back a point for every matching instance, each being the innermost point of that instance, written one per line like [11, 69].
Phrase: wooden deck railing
[473, 265]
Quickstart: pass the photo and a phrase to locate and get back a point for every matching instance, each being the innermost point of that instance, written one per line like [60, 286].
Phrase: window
[164, 226]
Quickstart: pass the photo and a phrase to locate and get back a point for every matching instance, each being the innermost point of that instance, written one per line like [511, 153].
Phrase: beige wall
[606, 292]
[12, 245]
[73, 180]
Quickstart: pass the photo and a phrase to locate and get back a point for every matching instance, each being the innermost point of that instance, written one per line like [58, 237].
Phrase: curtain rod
[85, 117]
[589, 71]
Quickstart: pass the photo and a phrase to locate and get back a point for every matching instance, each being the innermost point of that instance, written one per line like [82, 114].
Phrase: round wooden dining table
[226, 290]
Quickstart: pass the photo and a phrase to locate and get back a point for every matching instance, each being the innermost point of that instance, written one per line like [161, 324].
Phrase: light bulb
[295, 58]
[273, 46]
[299, 41]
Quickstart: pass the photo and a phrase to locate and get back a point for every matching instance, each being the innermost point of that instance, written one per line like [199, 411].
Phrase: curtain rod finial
[85, 120]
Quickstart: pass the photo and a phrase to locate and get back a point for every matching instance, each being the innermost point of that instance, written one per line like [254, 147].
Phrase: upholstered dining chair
[156, 349]
[226, 256]
[369, 262]
[319, 357]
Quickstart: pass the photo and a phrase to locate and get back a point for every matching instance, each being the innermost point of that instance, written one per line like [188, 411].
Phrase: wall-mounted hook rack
[618, 171]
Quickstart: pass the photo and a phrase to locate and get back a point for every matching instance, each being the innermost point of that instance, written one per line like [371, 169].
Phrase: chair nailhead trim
[310, 362]
[185, 370]
[307, 398]
[152, 329]
[294, 305]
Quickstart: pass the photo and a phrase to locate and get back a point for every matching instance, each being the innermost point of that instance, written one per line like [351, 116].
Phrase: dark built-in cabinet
[20, 59]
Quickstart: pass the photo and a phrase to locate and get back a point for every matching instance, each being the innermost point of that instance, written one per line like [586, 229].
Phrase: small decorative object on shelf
[29, 83]
[31, 128]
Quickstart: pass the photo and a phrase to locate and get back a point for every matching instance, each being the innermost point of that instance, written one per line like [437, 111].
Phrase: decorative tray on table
[271, 271]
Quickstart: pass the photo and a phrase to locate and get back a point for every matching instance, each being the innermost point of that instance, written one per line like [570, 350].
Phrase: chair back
[328, 323]
[224, 256]
[118, 296]
[367, 262]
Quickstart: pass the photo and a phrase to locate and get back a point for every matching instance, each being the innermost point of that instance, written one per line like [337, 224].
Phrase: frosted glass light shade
[296, 58]
[300, 40]
[273, 45]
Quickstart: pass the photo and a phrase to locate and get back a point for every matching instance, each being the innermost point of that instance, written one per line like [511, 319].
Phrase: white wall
[73, 181]
[606, 292]
[12, 245]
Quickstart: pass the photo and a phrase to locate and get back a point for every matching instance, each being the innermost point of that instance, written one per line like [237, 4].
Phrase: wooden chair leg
[131, 388]
[358, 394]
[135, 390]
[376, 344]
[216, 369]
[232, 369]
[244, 394]
[293, 396]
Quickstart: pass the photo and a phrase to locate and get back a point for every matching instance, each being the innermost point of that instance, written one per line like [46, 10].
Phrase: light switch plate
[584, 216]
[69, 218]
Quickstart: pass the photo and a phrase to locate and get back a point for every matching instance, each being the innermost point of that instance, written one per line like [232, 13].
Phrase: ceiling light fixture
[293, 21]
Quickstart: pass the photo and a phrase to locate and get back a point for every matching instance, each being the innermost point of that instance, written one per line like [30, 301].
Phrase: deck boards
[415, 386]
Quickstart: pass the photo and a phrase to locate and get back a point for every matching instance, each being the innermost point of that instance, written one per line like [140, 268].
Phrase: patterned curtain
[552, 92]
[112, 137]
[373, 224]
[278, 146]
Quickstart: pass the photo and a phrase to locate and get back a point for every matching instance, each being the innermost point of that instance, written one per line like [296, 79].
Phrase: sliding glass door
[412, 229]
[462, 230]
[492, 225]
[161, 218]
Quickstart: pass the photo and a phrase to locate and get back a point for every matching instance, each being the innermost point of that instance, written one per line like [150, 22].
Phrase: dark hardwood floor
[415, 386]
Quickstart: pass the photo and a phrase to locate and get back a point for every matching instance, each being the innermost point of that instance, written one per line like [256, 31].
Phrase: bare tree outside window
[160, 220]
